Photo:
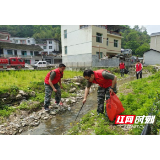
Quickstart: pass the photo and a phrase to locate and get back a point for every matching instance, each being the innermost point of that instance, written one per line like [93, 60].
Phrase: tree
[135, 38]
[141, 49]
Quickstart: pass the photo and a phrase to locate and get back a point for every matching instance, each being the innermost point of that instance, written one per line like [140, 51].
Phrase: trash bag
[118, 103]
[113, 107]
[126, 71]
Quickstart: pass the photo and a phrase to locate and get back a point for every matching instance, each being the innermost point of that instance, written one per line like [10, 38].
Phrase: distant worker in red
[51, 84]
[122, 67]
[138, 70]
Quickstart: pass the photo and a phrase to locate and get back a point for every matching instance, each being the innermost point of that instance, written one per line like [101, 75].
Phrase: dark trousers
[48, 93]
[101, 94]
[122, 72]
[137, 75]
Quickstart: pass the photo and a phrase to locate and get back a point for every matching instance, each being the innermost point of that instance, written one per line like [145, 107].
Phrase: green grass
[144, 99]
[23, 79]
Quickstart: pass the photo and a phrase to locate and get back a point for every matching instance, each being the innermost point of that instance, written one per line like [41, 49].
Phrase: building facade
[27, 49]
[30, 53]
[5, 37]
[27, 41]
[155, 41]
[49, 46]
[151, 57]
[83, 44]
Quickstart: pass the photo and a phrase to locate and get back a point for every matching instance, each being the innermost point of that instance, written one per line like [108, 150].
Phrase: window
[65, 33]
[101, 54]
[15, 52]
[48, 60]
[13, 60]
[50, 47]
[24, 53]
[44, 47]
[107, 41]
[115, 43]
[9, 52]
[20, 60]
[28, 41]
[50, 42]
[31, 53]
[23, 41]
[44, 62]
[40, 63]
[27, 61]
[65, 49]
[36, 53]
[99, 37]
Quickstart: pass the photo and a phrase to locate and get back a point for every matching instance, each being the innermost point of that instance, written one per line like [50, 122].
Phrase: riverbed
[61, 123]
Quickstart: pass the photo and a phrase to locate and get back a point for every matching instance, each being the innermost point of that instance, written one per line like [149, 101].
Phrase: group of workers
[106, 81]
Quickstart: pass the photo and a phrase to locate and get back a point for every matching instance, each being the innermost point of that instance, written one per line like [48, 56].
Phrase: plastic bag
[118, 103]
[126, 71]
[113, 107]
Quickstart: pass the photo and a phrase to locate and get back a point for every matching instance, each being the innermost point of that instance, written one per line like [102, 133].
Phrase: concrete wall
[111, 62]
[78, 60]
[151, 57]
[78, 42]
[155, 42]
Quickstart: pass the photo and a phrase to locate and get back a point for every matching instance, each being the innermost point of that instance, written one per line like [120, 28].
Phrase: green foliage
[35, 31]
[136, 39]
[144, 100]
[141, 49]
[6, 111]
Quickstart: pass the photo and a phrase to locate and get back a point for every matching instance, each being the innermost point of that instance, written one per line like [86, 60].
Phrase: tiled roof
[152, 50]
[155, 34]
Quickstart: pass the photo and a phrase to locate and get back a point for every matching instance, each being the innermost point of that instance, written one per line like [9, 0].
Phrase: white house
[49, 46]
[27, 41]
[82, 45]
[30, 53]
[151, 57]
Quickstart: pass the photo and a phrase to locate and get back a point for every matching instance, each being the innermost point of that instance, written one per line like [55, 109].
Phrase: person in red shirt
[138, 69]
[107, 84]
[51, 84]
[122, 67]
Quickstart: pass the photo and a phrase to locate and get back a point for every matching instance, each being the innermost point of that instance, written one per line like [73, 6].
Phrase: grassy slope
[144, 97]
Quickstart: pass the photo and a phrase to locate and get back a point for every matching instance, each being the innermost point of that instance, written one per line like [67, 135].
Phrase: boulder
[23, 93]
[19, 96]
[78, 84]
[72, 90]
[32, 94]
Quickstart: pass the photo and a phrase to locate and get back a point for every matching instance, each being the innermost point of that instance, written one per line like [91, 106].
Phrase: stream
[61, 123]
